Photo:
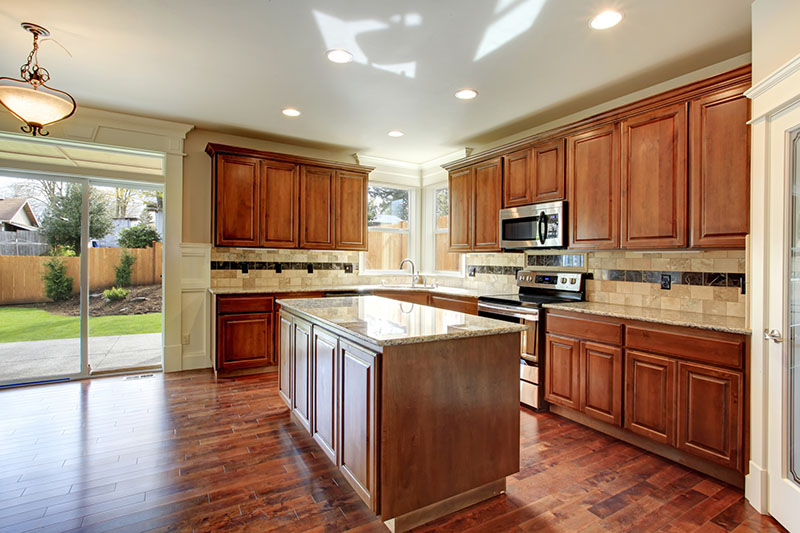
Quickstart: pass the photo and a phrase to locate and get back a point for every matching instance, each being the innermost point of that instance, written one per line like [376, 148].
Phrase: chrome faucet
[413, 270]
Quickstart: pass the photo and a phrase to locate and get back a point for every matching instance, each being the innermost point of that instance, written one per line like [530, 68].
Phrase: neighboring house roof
[17, 212]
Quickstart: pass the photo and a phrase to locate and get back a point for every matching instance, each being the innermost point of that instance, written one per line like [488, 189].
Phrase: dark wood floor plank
[189, 452]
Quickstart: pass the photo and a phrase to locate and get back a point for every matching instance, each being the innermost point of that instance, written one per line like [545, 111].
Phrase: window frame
[413, 231]
[430, 231]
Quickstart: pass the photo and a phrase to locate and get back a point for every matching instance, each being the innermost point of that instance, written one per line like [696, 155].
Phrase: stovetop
[538, 288]
[524, 300]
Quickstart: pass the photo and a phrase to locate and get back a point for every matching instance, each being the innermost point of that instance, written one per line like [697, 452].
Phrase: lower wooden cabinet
[562, 371]
[468, 306]
[324, 414]
[650, 401]
[244, 341]
[601, 382]
[301, 372]
[358, 420]
[710, 414]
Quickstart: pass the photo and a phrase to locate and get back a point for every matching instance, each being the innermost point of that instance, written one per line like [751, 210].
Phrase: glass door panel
[792, 361]
[40, 280]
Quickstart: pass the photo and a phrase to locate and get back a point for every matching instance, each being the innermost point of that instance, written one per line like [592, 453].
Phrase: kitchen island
[417, 406]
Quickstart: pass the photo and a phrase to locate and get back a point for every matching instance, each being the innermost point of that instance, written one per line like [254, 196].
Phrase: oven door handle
[508, 311]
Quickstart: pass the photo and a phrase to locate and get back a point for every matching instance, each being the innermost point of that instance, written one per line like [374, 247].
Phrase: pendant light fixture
[28, 98]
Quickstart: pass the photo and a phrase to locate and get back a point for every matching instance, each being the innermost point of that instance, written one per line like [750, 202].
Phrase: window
[443, 260]
[388, 229]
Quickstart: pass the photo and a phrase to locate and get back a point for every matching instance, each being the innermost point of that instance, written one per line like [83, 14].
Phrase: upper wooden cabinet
[270, 200]
[317, 207]
[476, 197]
[534, 175]
[517, 182]
[593, 188]
[720, 170]
[654, 179]
[350, 215]
[236, 201]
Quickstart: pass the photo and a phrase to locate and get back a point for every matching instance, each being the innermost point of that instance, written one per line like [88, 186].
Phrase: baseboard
[173, 360]
[195, 361]
[756, 485]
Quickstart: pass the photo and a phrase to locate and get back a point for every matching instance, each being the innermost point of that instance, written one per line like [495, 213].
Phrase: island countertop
[385, 322]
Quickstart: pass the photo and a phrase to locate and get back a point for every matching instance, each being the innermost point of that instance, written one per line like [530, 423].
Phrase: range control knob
[563, 280]
[572, 281]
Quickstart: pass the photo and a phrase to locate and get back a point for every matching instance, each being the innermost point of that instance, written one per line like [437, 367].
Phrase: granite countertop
[662, 316]
[387, 322]
[453, 291]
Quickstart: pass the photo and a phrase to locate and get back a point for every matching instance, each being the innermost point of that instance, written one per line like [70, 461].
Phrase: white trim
[413, 230]
[783, 73]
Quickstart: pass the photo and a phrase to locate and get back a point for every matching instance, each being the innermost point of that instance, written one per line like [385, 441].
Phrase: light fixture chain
[31, 72]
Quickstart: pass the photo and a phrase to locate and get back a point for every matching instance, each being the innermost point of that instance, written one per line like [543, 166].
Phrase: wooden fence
[22, 243]
[21, 277]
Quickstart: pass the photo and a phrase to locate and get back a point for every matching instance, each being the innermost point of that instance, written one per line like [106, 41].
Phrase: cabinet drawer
[529, 373]
[608, 332]
[455, 304]
[727, 352]
[244, 304]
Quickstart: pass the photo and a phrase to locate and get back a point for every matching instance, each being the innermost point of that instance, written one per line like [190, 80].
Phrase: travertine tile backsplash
[711, 282]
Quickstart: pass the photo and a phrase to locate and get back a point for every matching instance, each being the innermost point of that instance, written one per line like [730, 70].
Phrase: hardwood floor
[185, 452]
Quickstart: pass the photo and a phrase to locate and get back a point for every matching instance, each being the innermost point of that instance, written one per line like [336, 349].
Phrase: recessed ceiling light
[466, 94]
[340, 56]
[606, 19]
[290, 112]
[396, 133]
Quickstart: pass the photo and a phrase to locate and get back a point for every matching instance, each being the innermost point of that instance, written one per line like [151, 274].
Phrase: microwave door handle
[542, 227]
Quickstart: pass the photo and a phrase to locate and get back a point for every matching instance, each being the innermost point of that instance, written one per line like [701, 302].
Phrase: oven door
[529, 340]
[533, 226]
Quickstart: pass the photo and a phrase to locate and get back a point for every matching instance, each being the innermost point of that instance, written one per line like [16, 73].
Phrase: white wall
[776, 35]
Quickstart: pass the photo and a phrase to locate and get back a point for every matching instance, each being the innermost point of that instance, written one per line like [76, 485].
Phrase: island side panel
[449, 419]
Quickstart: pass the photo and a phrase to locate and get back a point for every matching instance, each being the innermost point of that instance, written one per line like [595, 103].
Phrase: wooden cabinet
[358, 439]
[517, 180]
[317, 207]
[562, 371]
[451, 303]
[654, 179]
[548, 171]
[236, 200]
[414, 297]
[269, 200]
[350, 215]
[278, 207]
[244, 341]
[460, 195]
[325, 410]
[285, 350]
[601, 382]
[301, 372]
[710, 414]
[475, 203]
[720, 169]
[650, 402]
[593, 176]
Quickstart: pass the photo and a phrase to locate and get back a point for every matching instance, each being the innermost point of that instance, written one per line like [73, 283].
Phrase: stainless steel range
[525, 307]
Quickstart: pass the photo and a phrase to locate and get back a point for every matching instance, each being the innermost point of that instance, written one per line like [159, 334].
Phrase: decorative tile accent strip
[498, 270]
[564, 260]
[707, 279]
[270, 265]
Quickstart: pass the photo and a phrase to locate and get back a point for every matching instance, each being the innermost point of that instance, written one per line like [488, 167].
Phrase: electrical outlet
[245, 270]
[185, 339]
[666, 282]
[278, 268]
[310, 268]
[472, 271]
[348, 268]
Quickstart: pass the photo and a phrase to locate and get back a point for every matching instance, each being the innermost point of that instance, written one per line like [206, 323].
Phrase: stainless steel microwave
[534, 226]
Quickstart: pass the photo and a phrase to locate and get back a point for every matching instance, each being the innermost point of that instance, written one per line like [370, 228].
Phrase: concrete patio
[40, 359]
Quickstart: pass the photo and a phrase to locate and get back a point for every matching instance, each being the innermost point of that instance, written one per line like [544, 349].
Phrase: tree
[387, 201]
[138, 236]
[123, 199]
[62, 220]
[57, 285]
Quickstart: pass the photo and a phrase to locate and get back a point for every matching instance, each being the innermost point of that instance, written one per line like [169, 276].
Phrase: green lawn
[26, 324]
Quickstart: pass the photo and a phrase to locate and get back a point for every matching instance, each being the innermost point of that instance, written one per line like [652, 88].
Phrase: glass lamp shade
[36, 107]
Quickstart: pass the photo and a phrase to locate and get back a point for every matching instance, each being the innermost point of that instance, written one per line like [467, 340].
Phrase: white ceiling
[232, 65]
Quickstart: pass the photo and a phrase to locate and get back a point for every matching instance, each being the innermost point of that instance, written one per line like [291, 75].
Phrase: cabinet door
[358, 438]
[460, 191]
[285, 351]
[279, 205]
[517, 179]
[710, 414]
[548, 171]
[654, 178]
[325, 404]
[601, 382]
[720, 170]
[351, 211]
[562, 371]
[593, 188]
[236, 216]
[244, 340]
[650, 396]
[301, 373]
[487, 198]
[316, 208]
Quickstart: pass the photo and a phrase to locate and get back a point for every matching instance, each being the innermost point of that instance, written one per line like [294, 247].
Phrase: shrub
[138, 236]
[115, 294]
[122, 273]
[61, 251]
[57, 285]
